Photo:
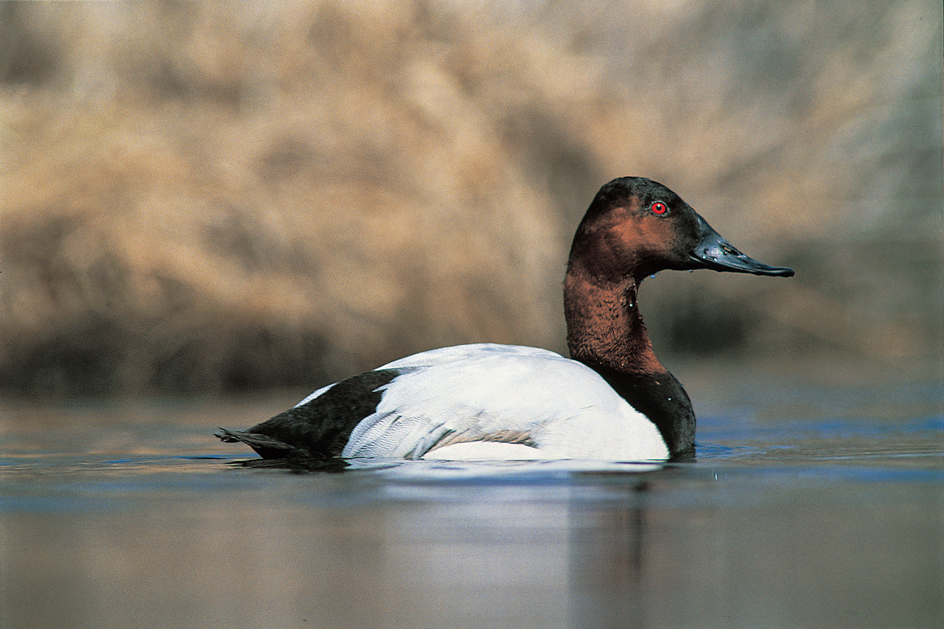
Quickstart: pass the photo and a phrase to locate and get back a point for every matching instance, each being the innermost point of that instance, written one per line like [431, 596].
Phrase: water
[808, 508]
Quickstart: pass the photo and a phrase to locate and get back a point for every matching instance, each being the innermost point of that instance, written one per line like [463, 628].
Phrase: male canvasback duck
[611, 400]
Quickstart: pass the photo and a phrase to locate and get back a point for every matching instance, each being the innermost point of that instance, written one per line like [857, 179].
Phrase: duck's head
[636, 227]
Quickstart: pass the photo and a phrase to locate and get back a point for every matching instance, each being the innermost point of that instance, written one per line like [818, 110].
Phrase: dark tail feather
[267, 447]
[278, 454]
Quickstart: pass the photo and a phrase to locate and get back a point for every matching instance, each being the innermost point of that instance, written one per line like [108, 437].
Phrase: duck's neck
[604, 325]
[606, 332]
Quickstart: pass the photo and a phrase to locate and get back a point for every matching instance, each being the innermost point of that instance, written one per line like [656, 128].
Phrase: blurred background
[204, 198]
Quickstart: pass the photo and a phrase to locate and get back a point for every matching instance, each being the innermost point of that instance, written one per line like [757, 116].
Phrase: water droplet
[653, 276]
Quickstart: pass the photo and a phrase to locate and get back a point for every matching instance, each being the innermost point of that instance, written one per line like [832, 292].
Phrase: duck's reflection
[545, 555]
[607, 561]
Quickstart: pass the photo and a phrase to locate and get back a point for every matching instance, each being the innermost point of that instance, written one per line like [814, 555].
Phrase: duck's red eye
[659, 208]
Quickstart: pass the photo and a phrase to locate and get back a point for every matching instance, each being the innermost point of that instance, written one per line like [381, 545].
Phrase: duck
[611, 400]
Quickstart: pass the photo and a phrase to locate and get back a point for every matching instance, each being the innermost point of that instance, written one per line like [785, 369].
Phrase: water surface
[808, 508]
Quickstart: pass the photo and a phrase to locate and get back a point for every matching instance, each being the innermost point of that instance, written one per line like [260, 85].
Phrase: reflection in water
[607, 562]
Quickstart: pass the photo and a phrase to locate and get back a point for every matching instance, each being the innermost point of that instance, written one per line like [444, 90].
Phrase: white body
[484, 397]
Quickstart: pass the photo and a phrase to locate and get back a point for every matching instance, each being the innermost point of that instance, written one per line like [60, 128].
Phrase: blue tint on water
[808, 508]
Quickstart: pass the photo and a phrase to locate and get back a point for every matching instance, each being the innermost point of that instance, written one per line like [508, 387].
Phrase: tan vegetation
[206, 196]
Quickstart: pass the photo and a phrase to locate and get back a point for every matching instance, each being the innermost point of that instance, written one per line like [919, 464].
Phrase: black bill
[716, 253]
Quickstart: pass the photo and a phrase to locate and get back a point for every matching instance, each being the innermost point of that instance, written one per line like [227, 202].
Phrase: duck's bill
[716, 253]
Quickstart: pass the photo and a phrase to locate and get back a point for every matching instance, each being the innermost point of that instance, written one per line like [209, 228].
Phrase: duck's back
[471, 401]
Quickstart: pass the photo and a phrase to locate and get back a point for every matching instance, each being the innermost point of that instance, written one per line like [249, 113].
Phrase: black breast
[661, 398]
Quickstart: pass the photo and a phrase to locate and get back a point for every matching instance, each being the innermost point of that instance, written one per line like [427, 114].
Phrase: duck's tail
[267, 447]
[278, 454]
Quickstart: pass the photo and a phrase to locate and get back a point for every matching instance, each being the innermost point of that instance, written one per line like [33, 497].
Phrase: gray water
[809, 507]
